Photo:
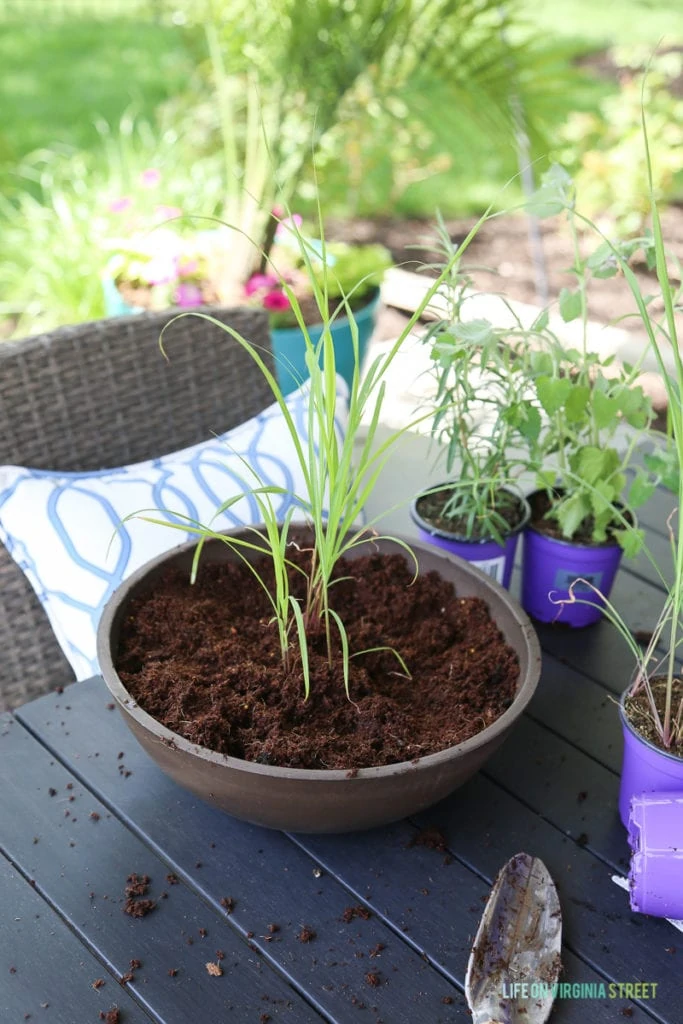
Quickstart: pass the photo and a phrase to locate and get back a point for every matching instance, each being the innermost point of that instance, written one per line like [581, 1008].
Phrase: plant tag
[493, 567]
[565, 577]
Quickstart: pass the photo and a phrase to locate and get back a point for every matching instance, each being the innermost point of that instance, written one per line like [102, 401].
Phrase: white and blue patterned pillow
[61, 528]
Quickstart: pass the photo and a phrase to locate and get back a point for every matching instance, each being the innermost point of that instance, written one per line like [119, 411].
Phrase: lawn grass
[68, 63]
[609, 22]
[61, 75]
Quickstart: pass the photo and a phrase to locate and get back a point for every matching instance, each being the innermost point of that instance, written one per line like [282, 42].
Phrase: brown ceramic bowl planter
[307, 800]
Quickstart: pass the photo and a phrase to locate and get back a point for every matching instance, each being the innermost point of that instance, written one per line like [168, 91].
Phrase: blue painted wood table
[254, 926]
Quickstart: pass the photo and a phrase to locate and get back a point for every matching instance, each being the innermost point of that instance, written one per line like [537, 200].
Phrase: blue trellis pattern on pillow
[63, 529]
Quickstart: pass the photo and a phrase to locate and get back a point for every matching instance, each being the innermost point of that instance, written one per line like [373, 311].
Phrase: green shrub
[605, 149]
[59, 232]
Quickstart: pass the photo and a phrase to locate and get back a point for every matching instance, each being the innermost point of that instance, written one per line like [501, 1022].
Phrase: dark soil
[432, 838]
[204, 660]
[500, 259]
[137, 885]
[432, 509]
[136, 888]
[639, 715]
[352, 912]
[138, 908]
[540, 506]
[112, 1016]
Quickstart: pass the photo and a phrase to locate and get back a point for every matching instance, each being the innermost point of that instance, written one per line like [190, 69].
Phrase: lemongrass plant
[337, 479]
[658, 661]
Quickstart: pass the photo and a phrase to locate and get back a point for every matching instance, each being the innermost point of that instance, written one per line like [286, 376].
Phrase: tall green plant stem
[671, 612]
[226, 113]
[580, 273]
[674, 400]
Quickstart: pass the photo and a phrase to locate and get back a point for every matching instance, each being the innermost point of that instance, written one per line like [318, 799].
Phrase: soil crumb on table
[136, 888]
[112, 1016]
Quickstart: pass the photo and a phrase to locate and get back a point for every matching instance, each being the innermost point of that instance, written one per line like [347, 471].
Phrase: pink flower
[258, 281]
[187, 267]
[150, 178]
[120, 205]
[188, 295]
[276, 301]
[168, 211]
[161, 269]
[288, 226]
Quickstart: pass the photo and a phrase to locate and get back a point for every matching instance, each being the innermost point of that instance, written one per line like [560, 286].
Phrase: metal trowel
[515, 960]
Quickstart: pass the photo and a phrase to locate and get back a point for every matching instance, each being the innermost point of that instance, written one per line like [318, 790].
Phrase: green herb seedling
[586, 399]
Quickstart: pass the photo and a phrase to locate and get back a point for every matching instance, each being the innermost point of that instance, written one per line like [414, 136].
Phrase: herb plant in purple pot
[486, 427]
[595, 415]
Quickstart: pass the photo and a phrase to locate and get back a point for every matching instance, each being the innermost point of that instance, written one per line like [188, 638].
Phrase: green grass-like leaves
[663, 341]
[337, 478]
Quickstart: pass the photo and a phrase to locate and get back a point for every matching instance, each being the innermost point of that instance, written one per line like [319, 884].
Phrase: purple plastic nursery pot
[655, 834]
[550, 566]
[645, 769]
[493, 559]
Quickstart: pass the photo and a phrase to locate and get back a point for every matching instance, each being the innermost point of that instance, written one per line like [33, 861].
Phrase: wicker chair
[100, 395]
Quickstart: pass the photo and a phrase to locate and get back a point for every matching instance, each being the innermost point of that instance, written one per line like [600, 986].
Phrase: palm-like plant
[292, 76]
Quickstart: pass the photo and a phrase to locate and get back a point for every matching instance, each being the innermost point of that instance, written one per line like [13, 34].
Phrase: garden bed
[499, 258]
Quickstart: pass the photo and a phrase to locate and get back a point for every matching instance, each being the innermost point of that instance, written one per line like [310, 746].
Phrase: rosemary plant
[484, 417]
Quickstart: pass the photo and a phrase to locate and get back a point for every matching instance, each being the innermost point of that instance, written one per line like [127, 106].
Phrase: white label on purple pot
[494, 567]
[565, 577]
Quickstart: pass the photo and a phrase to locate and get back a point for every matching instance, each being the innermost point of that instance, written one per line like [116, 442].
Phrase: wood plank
[377, 868]
[81, 864]
[565, 786]
[580, 710]
[423, 890]
[598, 651]
[270, 878]
[485, 825]
[47, 974]
[658, 547]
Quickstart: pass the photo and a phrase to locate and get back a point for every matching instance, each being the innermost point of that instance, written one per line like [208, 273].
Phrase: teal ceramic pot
[114, 303]
[289, 348]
